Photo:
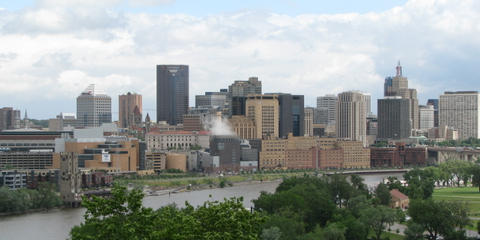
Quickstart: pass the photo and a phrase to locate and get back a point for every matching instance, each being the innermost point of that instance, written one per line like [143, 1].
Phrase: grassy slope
[470, 195]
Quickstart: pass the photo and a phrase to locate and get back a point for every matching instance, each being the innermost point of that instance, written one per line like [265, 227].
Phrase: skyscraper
[94, 107]
[172, 93]
[434, 103]
[9, 118]
[398, 86]
[328, 103]
[238, 92]
[309, 111]
[263, 110]
[352, 116]
[291, 114]
[427, 116]
[393, 118]
[129, 107]
[460, 110]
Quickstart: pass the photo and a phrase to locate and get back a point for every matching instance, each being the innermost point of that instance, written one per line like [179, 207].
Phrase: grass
[388, 235]
[470, 195]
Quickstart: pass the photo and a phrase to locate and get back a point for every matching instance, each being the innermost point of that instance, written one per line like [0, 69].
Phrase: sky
[51, 50]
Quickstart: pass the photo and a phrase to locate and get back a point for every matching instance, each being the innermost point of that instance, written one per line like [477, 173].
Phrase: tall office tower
[328, 103]
[9, 118]
[263, 110]
[398, 86]
[129, 109]
[460, 111]
[393, 118]
[351, 121]
[309, 112]
[238, 92]
[291, 114]
[426, 116]
[434, 103]
[94, 107]
[212, 99]
[172, 93]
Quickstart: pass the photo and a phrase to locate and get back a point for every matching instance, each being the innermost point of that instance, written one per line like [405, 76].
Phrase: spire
[26, 116]
[399, 69]
[147, 118]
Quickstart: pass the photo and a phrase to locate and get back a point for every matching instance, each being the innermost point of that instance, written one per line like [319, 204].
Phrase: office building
[94, 107]
[351, 116]
[111, 153]
[216, 100]
[63, 121]
[328, 105]
[398, 86]
[9, 118]
[398, 156]
[434, 103]
[263, 110]
[309, 112]
[179, 140]
[129, 110]
[460, 111]
[291, 110]
[427, 116]
[243, 127]
[238, 92]
[393, 118]
[172, 93]
[227, 148]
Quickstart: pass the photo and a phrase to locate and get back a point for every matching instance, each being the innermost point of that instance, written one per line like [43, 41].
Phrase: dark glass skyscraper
[172, 93]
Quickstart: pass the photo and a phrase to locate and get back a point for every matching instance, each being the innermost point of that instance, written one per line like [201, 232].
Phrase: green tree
[414, 231]
[475, 171]
[420, 184]
[382, 194]
[378, 219]
[122, 216]
[272, 233]
[438, 217]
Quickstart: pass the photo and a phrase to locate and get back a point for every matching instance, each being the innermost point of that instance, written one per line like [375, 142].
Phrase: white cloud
[53, 51]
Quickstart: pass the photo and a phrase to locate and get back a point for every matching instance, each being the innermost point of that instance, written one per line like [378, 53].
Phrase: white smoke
[218, 126]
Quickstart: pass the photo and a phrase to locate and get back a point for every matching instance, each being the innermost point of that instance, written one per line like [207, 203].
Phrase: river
[56, 224]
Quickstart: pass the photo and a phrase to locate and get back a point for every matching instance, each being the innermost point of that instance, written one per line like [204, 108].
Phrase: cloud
[52, 51]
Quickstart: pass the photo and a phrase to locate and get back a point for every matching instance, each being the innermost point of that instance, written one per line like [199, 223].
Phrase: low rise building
[184, 140]
[243, 127]
[398, 156]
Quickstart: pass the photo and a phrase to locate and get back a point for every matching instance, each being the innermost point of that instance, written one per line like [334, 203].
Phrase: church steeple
[399, 69]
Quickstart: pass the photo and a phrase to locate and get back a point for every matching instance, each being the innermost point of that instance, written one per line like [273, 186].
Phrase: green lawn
[470, 195]
[391, 236]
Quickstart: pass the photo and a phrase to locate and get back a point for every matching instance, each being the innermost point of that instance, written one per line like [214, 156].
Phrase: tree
[382, 194]
[378, 219]
[272, 233]
[420, 184]
[475, 171]
[438, 217]
[414, 231]
[122, 216]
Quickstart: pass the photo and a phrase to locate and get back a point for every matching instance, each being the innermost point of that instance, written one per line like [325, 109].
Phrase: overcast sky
[50, 50]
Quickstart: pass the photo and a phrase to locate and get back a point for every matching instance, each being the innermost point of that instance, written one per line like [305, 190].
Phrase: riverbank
[203, 182]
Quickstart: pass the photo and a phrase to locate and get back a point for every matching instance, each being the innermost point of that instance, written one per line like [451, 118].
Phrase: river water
[56, 224]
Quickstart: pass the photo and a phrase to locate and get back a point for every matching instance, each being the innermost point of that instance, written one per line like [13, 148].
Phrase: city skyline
[46, 57]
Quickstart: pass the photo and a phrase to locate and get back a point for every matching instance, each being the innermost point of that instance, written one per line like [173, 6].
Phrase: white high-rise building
[426, 117]
[94, 107]
[460, 111]
[351, 120]
[309, 112]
